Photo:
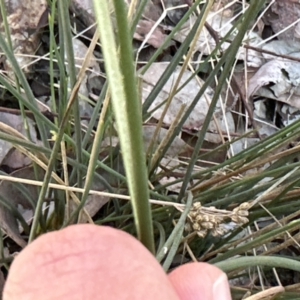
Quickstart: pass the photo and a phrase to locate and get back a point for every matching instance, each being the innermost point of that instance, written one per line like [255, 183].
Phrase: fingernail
[221, 290]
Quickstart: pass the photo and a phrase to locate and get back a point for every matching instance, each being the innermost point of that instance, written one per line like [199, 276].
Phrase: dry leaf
[183, 98]
[278, 80]
[25, 19]
[212, 135]
[94, 202]
[280, 15]
[176, 9]
[10, 192]
[280, 47]
[153, 10]
[16, 160]
[177, 147]
[157, 37]
[17, 123]
[221, 25]
[92, 73]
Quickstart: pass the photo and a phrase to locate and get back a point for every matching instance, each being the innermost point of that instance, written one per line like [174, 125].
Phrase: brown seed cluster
[204, 220]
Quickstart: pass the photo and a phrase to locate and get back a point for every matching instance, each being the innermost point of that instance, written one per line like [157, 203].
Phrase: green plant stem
[269, 261]
[176, 236]
[265, 238]
[138, 15]
[127, 109]
[227, 60]
[94, 155]
[28, 92]
[63, 9]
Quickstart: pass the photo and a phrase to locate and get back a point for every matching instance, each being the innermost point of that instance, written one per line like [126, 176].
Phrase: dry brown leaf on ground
[280, 47]
[224, 123]
[15, 196]
[6, 148]
[176, 9]
[183, 98]
[170, 161]
[154, 36]
[177, 147]
[84, 10]
[278, 80]
[16, 160]
[227, 7]
[281, 15]
[94, 202]
[266, 126]
[205, 42]
[25, 19]
[153, 10]
[221, 25]
[155, 39]
[91, 78]
[289, 114]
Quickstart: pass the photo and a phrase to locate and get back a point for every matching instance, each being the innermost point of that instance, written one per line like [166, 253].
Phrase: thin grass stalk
[3, 256]
[288, 133]
[52, 161]
[247, 262]
[125, 100]
[171, 67]
[52, 45]
[252, 165]
[175, 232]
[247, 191]
[176, 235]
[172, 94]
[170, 37]
[157, 155]
[63, 9]
[63, 80]
[5, 23]
[97, 108]
[173, 64]
[294, 184]
[94, 154]
[162, 235]
[16, 139]
[262, 239]
[23, 81]
[288, 206]
[139, 12]
[229, 242]
[227, 59]
[95, 115]
[6, 203]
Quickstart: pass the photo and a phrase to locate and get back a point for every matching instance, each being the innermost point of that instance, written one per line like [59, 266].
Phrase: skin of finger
[87, 262]
[196, 281]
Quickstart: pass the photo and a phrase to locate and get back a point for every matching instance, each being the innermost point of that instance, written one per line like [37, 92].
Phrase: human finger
[87, 262]
[200, 281]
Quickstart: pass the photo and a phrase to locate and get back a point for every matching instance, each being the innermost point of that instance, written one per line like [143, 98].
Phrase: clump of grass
[206, 219]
